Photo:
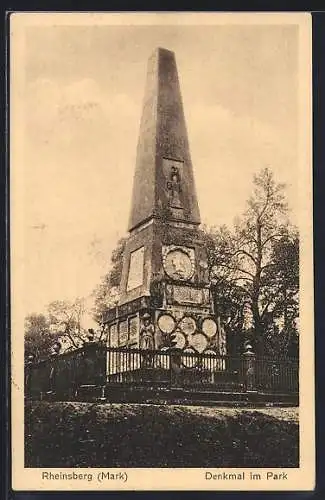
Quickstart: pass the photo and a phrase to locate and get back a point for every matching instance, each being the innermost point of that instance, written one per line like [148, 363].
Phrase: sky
[81, 103]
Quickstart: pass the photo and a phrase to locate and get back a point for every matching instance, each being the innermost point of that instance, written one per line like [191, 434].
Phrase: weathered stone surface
[153, 237]
[163, 183]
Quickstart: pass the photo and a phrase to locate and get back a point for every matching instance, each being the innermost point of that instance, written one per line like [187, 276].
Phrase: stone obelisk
[164, 288]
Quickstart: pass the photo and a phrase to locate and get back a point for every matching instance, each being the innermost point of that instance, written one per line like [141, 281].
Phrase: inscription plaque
[135, 277]
[186, 295]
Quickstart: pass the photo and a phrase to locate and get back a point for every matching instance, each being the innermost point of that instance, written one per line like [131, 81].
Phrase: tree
[284, 295]
[63, 323]
[106, 294]
[246, 262]
[38, 336]
[65, 319]
[229, 296]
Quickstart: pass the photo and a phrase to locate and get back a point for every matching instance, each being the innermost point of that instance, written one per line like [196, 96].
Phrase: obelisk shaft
[163, 185]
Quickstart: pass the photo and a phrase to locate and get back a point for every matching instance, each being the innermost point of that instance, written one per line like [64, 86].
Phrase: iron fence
[96, 365]
[63, 374]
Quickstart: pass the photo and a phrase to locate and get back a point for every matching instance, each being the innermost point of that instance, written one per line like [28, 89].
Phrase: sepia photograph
[161, 251]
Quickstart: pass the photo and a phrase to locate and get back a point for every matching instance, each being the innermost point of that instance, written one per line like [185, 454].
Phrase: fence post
[52, 383]
[249, 368]
[28, 376]
[175, 367]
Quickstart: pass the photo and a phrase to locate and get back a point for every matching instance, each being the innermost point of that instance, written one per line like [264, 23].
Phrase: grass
[64, 434]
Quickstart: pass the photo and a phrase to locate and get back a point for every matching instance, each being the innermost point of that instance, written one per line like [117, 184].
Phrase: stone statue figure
[147, 332]
[174, 188]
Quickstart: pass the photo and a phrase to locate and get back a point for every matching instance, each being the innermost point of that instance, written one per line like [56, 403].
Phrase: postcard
[161, 243]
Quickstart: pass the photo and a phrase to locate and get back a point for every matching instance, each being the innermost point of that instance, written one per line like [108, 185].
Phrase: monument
[164, 290]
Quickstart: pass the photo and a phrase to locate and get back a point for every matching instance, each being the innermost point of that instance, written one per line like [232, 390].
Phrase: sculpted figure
[147, 333]
[174, 187]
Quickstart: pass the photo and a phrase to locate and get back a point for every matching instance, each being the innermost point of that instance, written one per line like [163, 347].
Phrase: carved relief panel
[134, 330]
[178, 262]
[123, 333]
[113, 336]
[173, 171]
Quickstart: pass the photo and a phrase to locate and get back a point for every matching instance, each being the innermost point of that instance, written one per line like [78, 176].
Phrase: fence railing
[62, 374]
[98, 366]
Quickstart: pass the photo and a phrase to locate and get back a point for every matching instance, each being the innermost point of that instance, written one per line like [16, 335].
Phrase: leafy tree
[63, 323]
[38, 336]
[247, 265]
[65, 318]
[106, 294]
[284, 296]
[229, 296]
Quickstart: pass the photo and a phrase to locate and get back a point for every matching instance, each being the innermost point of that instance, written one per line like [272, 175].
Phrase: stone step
[154, 395]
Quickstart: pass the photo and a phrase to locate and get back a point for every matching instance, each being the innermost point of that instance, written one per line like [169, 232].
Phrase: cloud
[54, 110]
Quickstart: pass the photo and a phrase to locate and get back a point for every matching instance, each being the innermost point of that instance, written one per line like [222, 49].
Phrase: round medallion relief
[166, 323]
[188, 325]
[180, 338]
[178, 265]
[198, 341]
[209, 327]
